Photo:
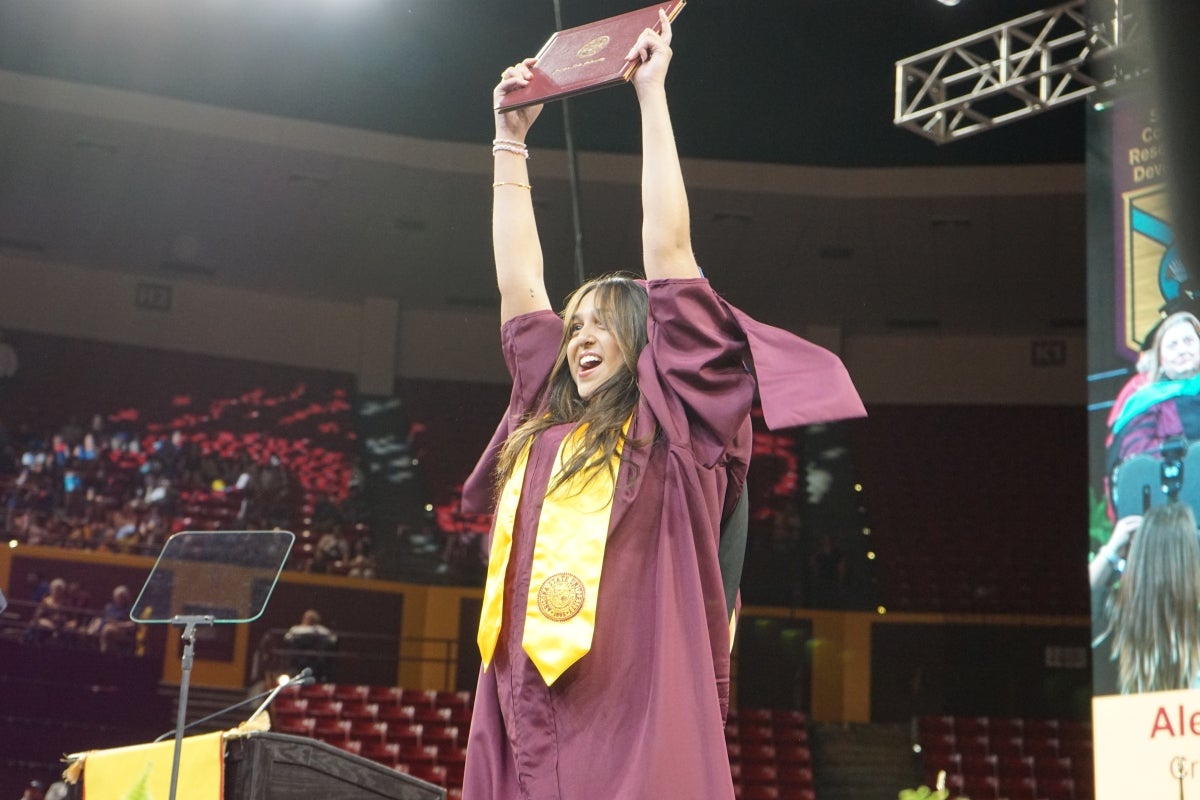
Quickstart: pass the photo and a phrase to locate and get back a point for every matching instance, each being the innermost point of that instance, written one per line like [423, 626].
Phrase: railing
[358, 657]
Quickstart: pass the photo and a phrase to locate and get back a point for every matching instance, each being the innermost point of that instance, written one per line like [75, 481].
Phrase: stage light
[12, 544]
[948, 2]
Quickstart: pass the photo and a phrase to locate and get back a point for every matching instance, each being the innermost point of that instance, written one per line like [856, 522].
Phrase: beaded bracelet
[509, 146]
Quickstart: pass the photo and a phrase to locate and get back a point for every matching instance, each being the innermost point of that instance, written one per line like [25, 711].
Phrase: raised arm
[666, 226]
[515, 244]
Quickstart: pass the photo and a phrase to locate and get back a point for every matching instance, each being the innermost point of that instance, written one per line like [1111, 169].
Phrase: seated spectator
[113, 629]
[311, 641]
[53, 618]
[331, 553]
[362, 564]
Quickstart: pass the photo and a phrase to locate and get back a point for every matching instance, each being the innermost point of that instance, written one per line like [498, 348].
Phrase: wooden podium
[276, 766]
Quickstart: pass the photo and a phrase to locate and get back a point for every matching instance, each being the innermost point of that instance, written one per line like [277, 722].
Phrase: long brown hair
[622, 304]
[1156, 606]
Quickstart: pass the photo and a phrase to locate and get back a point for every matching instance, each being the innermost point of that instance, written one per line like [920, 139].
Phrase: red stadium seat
[351, 746]
[1007, 726]
[432, 714]
[433, 773]
[980, 764]
[357, 709]
[790, 717]
[390, 713]
[1020, 789]
[758, 791]
[351, 692]
[1052, 768]
[934, 725]
[972, 726]
[754, 773]
[419, 697]
[795, 775]
[453, 699]
[797, 793]
[1041, 748]
[973, 745]
[385, 695]
[800, 755]
[441, 736]
[791, 736]
[321, 691]
[1043, 728]
[386, 753]
[1059, 789]
[334, 731]
[418, 755]
[289, 702]
[324, 709]
[368, 730]
[406, 734]
[755, 716]
[297, 726]
[758, 753]
[1007, 746]
[756, 733]
[1016, 767]
[981, 787]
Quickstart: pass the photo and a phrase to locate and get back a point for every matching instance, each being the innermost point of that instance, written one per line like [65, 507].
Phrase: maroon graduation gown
[642, 714]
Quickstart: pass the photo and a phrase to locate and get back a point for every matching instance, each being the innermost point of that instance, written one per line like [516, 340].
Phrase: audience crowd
[117, 486]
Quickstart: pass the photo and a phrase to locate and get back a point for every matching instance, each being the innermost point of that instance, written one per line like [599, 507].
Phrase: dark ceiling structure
[339, 149]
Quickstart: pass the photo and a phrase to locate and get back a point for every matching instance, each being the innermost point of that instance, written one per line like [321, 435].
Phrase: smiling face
[1179, 351]
[593, 355]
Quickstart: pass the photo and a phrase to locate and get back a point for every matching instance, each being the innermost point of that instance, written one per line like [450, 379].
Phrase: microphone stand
[304, 678]
[189, 640]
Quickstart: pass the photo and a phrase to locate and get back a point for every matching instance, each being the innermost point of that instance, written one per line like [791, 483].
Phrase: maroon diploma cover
[587, 58]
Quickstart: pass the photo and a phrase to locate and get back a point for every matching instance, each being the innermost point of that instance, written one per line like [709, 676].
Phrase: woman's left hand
[653, 52]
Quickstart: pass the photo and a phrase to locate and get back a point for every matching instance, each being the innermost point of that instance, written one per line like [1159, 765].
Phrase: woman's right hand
[514, 124]
[1123, 532]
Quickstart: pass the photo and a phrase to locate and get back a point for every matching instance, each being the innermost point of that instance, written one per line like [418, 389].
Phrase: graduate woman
[605, 631]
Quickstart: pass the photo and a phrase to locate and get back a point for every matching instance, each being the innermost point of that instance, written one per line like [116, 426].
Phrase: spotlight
[948, 2]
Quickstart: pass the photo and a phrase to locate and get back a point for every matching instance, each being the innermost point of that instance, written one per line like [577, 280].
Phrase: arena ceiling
[340, 149]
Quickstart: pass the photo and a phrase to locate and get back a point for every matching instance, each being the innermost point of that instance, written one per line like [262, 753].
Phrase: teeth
[587, 362]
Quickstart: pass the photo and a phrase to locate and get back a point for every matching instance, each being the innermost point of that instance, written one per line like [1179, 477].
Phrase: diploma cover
[587, 58]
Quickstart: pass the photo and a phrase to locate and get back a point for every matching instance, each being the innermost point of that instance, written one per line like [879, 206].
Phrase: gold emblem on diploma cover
[560, 597]
[593, 47]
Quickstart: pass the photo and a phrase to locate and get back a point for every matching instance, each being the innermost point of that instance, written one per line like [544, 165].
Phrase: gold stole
[568, 554]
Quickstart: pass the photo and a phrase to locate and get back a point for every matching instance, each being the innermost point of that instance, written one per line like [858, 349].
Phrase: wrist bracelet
[509, 146]
[512, 183]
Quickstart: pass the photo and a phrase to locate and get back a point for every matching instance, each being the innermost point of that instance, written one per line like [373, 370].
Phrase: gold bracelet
[511, 183]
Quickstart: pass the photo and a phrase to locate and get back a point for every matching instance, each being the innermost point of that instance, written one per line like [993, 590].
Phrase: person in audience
[362, 563]
[1146, 603]
[54, 616]
[113, 630]
[34, 790]
[311, 642]
[625, 438]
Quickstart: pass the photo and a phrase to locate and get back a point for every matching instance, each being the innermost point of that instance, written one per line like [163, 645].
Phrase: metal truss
[1014, 70]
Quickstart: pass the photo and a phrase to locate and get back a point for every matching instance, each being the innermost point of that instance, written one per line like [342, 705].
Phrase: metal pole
[572, 170]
